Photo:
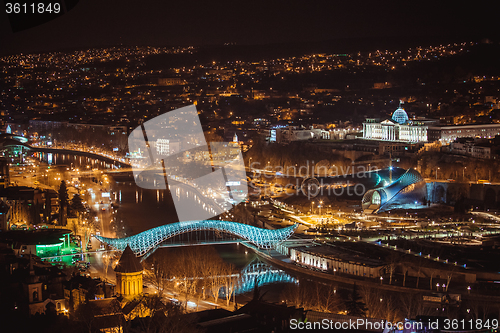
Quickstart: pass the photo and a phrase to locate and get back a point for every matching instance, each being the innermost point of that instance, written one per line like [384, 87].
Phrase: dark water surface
[142, 209]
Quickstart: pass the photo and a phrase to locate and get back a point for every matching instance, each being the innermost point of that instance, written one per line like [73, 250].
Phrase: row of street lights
[319, 206]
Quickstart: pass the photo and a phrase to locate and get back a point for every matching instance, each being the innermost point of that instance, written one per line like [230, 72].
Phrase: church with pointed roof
[128, 274]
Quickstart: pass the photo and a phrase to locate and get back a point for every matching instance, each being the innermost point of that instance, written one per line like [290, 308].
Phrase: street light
[381, 279]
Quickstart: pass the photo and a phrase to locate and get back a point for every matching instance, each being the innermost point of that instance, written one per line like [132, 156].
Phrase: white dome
[400, 116]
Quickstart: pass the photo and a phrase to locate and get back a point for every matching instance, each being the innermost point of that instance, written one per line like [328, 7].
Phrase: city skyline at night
[260, 166]
[192, 23]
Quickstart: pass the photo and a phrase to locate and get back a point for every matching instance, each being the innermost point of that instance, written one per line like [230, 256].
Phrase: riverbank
[279, 260]
[82, 153]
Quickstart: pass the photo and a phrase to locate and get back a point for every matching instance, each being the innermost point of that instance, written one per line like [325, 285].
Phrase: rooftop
[333, 251]
[128, 263]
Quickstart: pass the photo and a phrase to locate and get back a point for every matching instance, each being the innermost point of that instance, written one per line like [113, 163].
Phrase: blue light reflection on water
[261, 273]
[160, 210]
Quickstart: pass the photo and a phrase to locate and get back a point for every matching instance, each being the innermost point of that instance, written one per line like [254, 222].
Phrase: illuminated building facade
[334, 260]
[163, 147]
[447, 134]
[398, 128]
[402, 129]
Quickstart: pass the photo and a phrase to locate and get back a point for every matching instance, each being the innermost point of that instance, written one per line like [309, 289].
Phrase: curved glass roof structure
[8, 140]
[407, 189]
[146, 242]
[400, 116]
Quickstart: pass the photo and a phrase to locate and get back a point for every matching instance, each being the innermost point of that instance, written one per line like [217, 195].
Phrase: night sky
[94, 23]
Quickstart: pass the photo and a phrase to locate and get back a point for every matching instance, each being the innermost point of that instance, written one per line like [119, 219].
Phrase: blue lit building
[405, 192]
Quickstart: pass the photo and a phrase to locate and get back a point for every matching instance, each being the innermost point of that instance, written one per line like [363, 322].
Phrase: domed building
[398, 129]
[128, 274]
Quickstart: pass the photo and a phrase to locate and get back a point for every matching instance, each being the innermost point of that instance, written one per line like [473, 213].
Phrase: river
[141, 209]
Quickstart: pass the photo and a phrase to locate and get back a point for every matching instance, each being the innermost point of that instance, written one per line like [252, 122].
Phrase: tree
[419, 265]
[86, 316]
[158, 273]
[63, 203]
[106, 260]
[154, 316]
[354, 305]
[405, 272]
[76, 204]
[449, 276]
[391, 266]
[229, 282]
[409, 304]
[373, 299]
[63, 194]
[73, 226]
[327, 295]
[291, 294]
[479, 309]
[432, 275]
[214, 277]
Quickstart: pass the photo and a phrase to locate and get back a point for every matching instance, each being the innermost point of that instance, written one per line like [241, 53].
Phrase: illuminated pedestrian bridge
[145, 243]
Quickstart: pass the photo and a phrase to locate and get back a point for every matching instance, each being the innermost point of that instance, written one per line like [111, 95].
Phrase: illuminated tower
[128, 274]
